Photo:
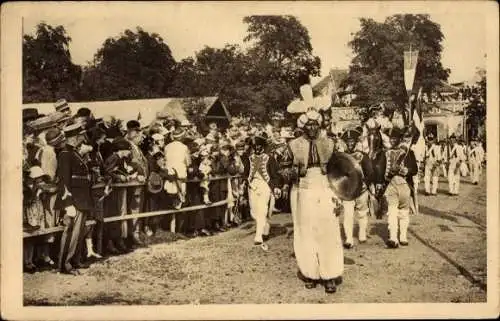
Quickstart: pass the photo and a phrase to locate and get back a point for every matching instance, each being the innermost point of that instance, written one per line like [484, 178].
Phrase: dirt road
[445, 262]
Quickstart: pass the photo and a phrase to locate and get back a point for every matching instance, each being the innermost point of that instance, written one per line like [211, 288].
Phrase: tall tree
[48, 72]
[134, 65]
[376, 71]
[281, 49]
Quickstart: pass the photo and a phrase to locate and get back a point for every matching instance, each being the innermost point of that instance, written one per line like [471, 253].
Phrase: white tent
[148, 109]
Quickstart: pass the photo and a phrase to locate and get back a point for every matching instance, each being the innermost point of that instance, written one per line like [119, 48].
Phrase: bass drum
[345, 176]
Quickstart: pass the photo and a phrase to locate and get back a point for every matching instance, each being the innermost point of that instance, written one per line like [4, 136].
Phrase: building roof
[337, 75]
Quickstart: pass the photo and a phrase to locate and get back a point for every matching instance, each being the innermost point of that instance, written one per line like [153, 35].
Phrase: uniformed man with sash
[263, 181]
[401, 166]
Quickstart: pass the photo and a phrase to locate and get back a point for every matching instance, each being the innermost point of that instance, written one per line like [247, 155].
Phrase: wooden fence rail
[173, 212]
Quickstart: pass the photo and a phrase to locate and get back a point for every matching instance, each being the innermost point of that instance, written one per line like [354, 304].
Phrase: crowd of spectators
[134, 168]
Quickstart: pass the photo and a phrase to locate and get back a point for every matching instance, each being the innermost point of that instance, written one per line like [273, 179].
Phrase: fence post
[173, 223]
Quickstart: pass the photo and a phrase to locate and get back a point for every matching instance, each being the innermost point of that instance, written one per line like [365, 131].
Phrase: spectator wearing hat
[229, 167]
[476, 158]
[74, 198]
[178, 160]
[456, 159]
[399, 176]
[116, 167]
[432, 163]
[55, 141]
[205, 170]
[97, 137]
[62, 106]
[196, 222]
[84, 117]
[135, 194]
[155, 195]
[30, 114]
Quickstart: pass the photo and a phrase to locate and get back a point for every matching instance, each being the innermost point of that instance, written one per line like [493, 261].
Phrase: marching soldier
[75, 197]
[401, 166]
[359, 206]
[433, 159]
[476, 157]
[263, 182]
[456, 158]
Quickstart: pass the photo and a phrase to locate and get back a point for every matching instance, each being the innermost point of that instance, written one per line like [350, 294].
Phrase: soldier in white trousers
[401, 166]
[476, 157]
[456, 158]
[433, 159]
[263, 182]
[359, 206]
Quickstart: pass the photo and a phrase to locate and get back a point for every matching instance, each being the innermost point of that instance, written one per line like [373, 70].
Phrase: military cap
[350, 135]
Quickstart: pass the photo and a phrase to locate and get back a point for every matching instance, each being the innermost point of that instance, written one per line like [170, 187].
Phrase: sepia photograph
[184, 154]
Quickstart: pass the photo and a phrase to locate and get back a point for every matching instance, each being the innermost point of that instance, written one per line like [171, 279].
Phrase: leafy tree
[48, 73]
[281, 50]
[262, 79]
[476, 110]
[134, 65]
[376, 71]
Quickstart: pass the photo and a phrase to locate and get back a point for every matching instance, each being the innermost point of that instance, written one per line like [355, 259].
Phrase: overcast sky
[188, 27]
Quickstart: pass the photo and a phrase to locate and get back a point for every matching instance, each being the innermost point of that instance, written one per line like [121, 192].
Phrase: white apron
[317, 240]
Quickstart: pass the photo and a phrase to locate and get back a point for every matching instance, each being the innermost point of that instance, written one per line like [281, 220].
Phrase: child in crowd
[205, 169]
[39, 189]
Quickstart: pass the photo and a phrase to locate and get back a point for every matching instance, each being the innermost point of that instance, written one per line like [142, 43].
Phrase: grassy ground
[445, 262]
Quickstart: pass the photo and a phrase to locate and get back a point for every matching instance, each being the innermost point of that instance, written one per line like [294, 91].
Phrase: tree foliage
[376, 71]
[134, 65]
[48, 73]
[282, 49]
[257, 81]
[476, 110]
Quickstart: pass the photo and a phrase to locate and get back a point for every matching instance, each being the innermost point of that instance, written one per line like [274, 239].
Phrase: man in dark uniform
[401, 166]
[75, 197]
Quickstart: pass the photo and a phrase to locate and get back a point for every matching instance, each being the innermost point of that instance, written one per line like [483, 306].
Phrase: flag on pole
[418, 121]
[410, 67]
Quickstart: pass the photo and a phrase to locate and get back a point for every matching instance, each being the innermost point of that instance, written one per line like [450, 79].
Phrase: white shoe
[93, 254]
